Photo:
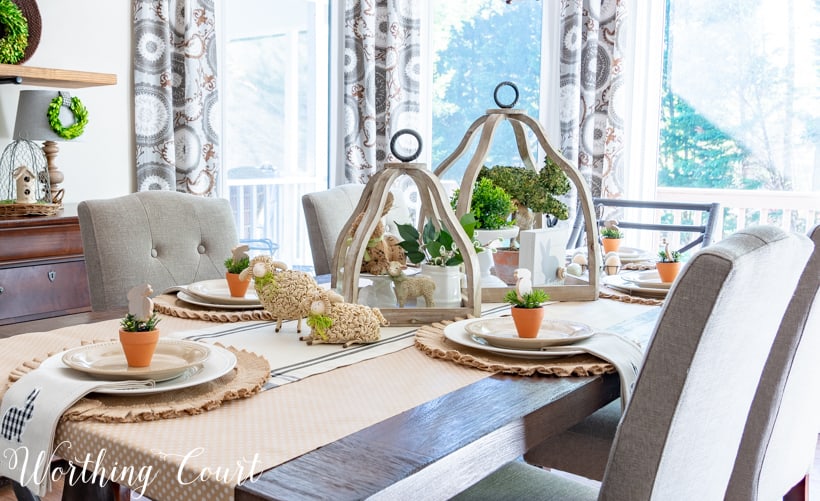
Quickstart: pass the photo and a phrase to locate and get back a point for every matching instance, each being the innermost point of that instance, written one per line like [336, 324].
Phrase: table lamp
[32, 123]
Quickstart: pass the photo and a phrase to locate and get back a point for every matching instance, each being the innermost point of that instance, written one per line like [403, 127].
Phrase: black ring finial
[505, 84]
[412, 156]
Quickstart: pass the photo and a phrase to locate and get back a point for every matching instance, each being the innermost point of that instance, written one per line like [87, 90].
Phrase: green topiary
[490, 205]
[536, 191]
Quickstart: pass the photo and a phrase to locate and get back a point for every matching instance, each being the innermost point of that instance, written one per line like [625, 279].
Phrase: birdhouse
[24, 181]
[484, 128]
[353, 240]
[26, 185]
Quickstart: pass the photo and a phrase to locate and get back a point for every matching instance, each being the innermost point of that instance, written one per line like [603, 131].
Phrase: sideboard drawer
[43, 290]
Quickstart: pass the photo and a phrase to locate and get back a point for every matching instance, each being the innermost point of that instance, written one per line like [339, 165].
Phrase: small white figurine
[523, 284]
[240, 252]
[25, 185]
[139, 304]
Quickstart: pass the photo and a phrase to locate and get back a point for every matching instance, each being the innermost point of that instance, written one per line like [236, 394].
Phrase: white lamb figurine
[285, 293]
[334, 321]
[410, 287]
[139, 304]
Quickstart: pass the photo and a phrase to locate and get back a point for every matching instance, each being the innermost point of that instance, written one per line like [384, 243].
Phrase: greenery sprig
[320, 323]
[611, 233]
[80, 117]
[237, 266]
[668, 256]
[132, 324]
[534, 299]
[434, 246]
[15, 26]
[490, 205]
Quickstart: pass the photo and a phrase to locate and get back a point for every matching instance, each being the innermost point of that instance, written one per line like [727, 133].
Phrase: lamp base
[55, 176]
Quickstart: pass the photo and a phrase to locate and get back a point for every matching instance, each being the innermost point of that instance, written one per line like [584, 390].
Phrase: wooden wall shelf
[49, 77]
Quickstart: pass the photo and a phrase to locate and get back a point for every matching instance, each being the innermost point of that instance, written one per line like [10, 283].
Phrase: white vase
[448, 285]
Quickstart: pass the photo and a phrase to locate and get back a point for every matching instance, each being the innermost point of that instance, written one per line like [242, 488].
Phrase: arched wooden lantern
[434, 206]
[519, 119]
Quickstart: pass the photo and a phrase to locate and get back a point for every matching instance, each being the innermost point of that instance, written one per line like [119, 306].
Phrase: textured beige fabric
[168, 304]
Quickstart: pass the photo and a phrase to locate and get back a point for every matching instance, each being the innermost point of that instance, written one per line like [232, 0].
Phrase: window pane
[740, 108]
[476, 45]
[275, 118]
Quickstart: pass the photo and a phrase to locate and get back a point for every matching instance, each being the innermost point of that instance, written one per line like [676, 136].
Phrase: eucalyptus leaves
[77, 109]
[15, 26]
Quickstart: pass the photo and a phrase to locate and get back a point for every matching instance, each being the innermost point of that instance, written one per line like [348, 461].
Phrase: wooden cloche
[519, 119]
[434, 206]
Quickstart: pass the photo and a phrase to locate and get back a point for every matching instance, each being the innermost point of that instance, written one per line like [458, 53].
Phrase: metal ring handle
[412, 156]
[498, 87]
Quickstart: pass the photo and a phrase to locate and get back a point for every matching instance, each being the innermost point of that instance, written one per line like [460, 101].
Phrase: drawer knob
[52, 275]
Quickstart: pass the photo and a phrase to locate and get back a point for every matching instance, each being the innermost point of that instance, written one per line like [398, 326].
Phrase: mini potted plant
[611, 237]
[527, 305]
[668, 264]
[234, 265]
[138, 330]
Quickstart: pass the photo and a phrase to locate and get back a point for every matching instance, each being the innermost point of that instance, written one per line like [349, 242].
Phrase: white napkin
[30, 411]
[626, 355]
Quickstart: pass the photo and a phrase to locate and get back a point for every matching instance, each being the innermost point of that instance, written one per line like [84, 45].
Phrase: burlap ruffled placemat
[607, 293]
[168, 304]
[430, 340]
[246, 379]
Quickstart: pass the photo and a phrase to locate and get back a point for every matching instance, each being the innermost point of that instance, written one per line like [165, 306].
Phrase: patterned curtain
[591, 107]
[381, 79]
[175, 96]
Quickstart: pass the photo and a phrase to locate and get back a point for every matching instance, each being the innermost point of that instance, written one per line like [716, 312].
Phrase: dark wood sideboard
[42, 268]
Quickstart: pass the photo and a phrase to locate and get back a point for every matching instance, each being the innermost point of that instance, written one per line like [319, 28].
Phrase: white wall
[88, 35]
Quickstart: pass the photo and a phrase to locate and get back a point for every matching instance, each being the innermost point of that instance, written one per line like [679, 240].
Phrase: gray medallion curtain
[175, 96]
[381, 80]
[593, 37]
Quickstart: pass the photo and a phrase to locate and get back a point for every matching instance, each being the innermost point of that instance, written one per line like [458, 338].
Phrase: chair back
[779, 441]
[681, 430]
[327, 212]
[162, 238]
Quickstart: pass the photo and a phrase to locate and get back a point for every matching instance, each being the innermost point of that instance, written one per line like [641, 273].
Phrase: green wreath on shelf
[13, 44]
[80, 117]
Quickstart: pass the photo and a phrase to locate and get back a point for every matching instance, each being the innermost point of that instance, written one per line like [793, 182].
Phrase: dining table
[411, 415]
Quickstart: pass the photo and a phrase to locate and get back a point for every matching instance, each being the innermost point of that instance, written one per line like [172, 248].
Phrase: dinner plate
[217, 292]
[634, 255]
[457, 333]
[219, 363]
[649, 279]
[184, 296]
[107, 360]
[619, 283]
[500, 332]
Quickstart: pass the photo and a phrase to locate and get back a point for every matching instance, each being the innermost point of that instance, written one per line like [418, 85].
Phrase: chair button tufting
[201, 249]
[153, 253]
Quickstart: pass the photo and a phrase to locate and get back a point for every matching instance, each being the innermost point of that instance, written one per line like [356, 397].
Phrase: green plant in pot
[669, 263]
[139, 334]
[527, 305]
[439, 256]
[611, 237]
[234, 265]
[531, 192]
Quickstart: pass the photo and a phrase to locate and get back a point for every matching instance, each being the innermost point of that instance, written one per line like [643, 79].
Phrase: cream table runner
[205, 456]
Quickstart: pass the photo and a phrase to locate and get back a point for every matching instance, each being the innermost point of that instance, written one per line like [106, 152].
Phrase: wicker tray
[18, 210]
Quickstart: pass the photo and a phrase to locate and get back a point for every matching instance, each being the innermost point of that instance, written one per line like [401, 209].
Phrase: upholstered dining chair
[779, 442]
[326, 213]
[162, 238]
[682, 427]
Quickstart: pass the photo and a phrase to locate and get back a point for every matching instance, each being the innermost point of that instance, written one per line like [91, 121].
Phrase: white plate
[217, 292]
[456, 333]
[500, 332]
[633, 255]
[649, 279]
[219, 363]
[107, 360]
[618, 283]
[184, 296]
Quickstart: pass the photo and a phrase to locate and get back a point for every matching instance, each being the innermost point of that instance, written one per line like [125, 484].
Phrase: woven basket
[19, 210]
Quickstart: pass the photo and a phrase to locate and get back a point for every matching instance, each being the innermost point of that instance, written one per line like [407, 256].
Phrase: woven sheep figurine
[285, 293]
[334, 321]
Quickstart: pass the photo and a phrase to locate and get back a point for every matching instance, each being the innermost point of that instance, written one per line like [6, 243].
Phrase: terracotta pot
[139, 347]
[611, 244]
[237, 287]
[527, 320]
[505, 263]
[668, 271]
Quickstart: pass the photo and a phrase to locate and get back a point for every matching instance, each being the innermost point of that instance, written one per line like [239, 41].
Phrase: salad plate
[217, 292]
[188, 298]
[500, 332]
[649, 279]
[634, 255]
[107, 360]
[620, 284]
[457, 333]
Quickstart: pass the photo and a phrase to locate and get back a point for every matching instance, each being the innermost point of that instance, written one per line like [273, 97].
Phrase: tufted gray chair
[158, 237]
[680, 432]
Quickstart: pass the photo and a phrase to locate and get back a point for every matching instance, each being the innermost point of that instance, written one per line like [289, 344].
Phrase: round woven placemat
[168, 304]
[430, 340]
[246, 379]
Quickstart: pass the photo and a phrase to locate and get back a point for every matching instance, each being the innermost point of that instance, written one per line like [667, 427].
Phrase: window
[275, 74]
